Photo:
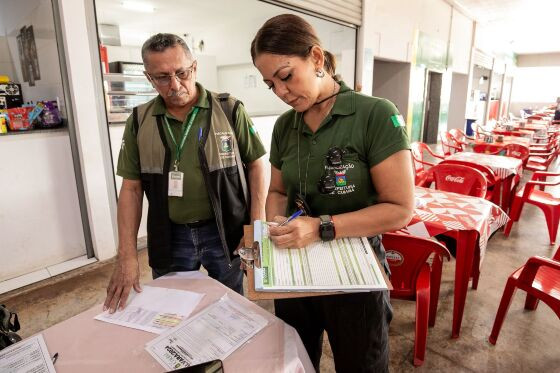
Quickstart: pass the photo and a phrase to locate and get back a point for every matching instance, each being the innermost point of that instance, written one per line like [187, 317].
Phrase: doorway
[431, 108]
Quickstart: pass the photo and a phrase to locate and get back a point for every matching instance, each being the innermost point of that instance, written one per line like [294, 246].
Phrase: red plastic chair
[479, 131]
[543, 200]
[460, 137]
[459, 179]
[487, 149]
[417, 150]
[448, 144]
[521, 152]
[492, 181]
[414, 279]
[551, 145]
[540, 278]
[518, 151]
[540, 161]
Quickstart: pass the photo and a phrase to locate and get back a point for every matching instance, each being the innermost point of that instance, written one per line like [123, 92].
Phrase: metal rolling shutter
[482, 59]
[348, 11]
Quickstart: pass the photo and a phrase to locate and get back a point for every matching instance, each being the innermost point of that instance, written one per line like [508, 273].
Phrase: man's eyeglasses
[165, 80]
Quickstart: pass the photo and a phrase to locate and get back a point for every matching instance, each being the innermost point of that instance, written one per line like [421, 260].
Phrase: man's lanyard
[179, 147]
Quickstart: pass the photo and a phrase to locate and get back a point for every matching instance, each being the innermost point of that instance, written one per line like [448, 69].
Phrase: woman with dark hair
[344, 157]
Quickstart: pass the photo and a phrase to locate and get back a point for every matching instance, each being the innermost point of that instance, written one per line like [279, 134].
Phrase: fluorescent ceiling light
[139, 7]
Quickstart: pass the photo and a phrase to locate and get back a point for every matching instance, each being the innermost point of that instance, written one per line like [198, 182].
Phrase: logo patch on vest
[226, 144]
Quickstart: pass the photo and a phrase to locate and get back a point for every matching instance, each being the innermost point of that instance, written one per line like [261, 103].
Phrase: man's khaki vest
[221, 166]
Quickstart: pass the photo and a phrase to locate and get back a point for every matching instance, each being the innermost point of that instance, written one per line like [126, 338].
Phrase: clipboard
[252, 247]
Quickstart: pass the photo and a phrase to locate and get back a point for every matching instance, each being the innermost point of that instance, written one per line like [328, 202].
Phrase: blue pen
[292, 217]
[199, 133]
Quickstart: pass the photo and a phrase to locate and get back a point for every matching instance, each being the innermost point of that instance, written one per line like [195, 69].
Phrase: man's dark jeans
[192, 247]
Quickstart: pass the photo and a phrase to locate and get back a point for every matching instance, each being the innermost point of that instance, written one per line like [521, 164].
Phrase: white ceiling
[528, 26]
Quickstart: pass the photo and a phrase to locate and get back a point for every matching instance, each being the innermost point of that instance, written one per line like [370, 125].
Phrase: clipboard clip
[250, 256]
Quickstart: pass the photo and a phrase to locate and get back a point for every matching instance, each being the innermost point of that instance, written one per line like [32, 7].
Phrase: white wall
[40, 222]
[395, 21]
[538, 59]
[6, 64]
[457, 101]
[534, 87]
[245, 82]
[461, 42]
[38, 14]
[391, 80]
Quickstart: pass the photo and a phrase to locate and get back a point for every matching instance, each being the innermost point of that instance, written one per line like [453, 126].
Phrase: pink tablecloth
[501, 165]
[439, 212]
[87, 345]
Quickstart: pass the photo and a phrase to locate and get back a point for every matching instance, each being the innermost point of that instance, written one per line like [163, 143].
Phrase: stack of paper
[214, 333]
[346, 264]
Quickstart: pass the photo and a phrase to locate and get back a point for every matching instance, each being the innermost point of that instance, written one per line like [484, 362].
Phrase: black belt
[199, 223]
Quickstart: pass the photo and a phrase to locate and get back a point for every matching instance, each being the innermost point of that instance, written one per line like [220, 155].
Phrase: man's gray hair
[160, 42]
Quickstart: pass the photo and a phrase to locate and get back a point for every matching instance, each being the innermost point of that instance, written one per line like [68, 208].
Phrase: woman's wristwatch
[326, 228]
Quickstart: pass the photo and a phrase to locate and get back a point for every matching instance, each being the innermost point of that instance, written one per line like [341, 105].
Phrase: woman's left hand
[297, 233]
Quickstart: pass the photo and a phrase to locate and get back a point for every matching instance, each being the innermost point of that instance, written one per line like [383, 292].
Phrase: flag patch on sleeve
[398, 121]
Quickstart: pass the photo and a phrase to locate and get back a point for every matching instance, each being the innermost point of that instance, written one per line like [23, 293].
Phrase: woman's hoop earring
[320, 73]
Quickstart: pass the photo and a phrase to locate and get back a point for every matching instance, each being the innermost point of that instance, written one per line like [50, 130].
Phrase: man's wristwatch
[326, 228]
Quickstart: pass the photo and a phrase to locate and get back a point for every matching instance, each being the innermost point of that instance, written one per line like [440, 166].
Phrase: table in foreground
[87, 345]
[471, 221]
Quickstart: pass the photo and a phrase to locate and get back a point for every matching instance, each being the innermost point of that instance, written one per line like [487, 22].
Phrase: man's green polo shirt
[368, 129]
[195, 203]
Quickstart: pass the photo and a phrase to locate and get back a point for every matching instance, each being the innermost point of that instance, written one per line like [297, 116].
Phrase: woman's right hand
[298, 233]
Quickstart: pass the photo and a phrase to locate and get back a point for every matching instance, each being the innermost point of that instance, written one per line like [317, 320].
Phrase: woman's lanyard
[186, 129]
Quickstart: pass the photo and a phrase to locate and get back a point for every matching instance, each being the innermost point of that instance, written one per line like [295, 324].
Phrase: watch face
[326, 229]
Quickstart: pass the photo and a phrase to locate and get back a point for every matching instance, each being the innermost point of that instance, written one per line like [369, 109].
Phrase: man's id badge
[175, 184]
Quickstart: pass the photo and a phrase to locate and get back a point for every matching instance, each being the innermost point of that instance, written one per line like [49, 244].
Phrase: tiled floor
[528, 341]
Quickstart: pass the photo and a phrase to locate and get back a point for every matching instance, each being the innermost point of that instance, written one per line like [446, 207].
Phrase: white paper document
[28, 356]
[155, 309]
[214, 333]
[345, 264]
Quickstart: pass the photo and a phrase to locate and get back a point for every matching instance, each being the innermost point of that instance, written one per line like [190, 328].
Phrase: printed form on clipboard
[344, 264]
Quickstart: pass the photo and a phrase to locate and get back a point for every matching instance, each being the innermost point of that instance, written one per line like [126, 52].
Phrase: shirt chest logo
[340, 179]
[343, 184]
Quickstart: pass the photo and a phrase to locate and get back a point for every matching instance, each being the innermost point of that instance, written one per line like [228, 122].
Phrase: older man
[188, 150]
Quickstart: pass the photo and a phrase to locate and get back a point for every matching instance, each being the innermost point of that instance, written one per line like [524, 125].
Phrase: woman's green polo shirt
[368, 129]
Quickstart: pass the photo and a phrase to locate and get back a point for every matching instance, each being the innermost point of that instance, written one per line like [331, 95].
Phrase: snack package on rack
[50, 116]
[19, 119]
[3, 121]
[35, 111]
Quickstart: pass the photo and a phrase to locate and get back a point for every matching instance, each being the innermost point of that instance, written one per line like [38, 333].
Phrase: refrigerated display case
[124, 92]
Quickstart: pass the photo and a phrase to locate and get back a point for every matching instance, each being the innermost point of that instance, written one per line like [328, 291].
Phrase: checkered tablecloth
[438, 212]
[501, 165]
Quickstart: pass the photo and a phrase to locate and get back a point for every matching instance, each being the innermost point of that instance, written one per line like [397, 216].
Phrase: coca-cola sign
[455, 179]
